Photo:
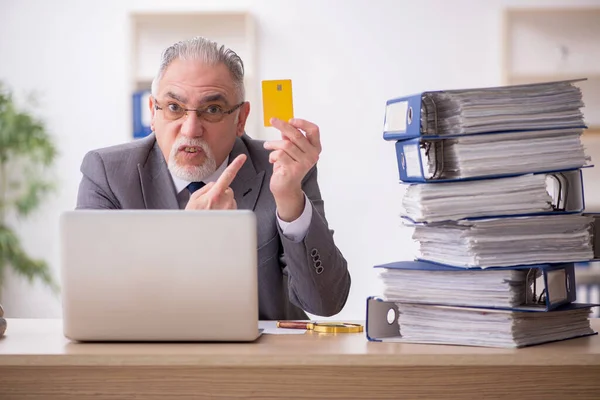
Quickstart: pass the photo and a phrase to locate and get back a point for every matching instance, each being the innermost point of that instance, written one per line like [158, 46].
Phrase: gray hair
[207, 51]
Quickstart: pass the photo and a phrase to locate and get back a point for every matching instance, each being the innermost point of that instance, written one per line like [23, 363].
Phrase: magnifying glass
[322, 327]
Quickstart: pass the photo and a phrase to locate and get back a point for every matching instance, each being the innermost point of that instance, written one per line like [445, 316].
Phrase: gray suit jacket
[135, 176]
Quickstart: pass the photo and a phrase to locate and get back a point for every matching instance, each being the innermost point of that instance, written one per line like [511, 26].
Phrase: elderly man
[199, 157]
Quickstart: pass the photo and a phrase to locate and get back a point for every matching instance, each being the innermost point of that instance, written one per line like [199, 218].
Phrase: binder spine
[410, 161]
[403, 118]
[382, 319]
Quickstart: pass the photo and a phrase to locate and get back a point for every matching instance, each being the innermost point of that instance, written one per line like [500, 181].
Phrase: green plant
[26, 152]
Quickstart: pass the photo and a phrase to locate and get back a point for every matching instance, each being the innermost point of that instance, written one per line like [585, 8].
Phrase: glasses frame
[198, 111]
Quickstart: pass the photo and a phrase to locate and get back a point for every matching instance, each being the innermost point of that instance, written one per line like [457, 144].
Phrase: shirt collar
[181, 184]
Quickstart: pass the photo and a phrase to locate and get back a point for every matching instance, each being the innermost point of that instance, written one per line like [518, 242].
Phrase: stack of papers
[506, 241]
[496, 288]
[526, 194]
[491, 328]
[504, 153]
[493, 180]
[505, 108]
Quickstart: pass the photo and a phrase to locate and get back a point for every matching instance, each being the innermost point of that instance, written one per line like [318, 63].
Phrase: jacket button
[314, 253]
[319, 270]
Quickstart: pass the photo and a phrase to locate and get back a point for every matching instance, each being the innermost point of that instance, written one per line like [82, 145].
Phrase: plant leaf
[22, 134]
[26, 150]
[13, 255]
[32, 196]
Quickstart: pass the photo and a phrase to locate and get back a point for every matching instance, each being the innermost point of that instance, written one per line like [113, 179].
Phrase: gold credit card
[277, 100]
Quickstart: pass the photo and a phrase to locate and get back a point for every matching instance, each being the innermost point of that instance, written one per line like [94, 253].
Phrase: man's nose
[192, 125]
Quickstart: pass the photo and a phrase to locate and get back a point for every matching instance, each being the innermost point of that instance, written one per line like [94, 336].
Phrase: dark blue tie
[192, 187]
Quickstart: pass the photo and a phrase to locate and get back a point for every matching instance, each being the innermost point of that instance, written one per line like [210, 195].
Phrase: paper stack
[494, 196]
[488, 154]
[487, 132]
[428, 283]
[491, 328]
[536, 106]
[497, 242]
[525, 194]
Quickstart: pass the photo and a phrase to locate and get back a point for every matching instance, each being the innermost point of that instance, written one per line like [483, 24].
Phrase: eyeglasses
[212, 113]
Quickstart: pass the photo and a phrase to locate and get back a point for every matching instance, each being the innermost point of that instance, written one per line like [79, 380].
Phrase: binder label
[395, 117]
[557, 286]
[411, 160]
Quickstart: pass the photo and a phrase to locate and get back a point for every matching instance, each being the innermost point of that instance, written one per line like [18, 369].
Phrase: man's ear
[152, 111]
[242, 118]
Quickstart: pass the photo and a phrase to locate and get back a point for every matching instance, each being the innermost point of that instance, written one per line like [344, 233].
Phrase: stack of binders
[494, 195]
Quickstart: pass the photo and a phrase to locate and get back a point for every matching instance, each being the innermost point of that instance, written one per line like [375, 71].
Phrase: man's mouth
[190, 149]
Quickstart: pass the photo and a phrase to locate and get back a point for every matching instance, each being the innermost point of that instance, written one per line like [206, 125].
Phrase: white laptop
[159, 275]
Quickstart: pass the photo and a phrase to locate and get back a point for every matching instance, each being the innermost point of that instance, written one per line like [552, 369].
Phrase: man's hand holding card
[292, 156]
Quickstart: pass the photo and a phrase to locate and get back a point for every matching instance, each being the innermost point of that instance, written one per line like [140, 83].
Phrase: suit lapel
[247, 183]
[158, 190]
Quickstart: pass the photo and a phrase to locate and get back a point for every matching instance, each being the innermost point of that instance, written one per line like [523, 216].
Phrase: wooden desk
[37, 362]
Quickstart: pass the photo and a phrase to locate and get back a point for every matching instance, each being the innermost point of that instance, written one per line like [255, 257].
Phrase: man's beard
[192, 173]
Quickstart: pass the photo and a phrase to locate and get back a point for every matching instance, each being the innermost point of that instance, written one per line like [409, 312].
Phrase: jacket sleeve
[94, 189]
[318, 277]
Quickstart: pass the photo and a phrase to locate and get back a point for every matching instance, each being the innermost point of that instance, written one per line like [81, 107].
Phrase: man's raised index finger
[229, 174]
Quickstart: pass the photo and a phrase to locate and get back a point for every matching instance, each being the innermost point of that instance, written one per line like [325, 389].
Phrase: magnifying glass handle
[293, 325]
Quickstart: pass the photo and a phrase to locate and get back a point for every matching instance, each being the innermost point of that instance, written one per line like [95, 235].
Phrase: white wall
[345, 57]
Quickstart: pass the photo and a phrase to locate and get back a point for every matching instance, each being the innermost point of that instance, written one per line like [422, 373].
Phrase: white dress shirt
[295, 230]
